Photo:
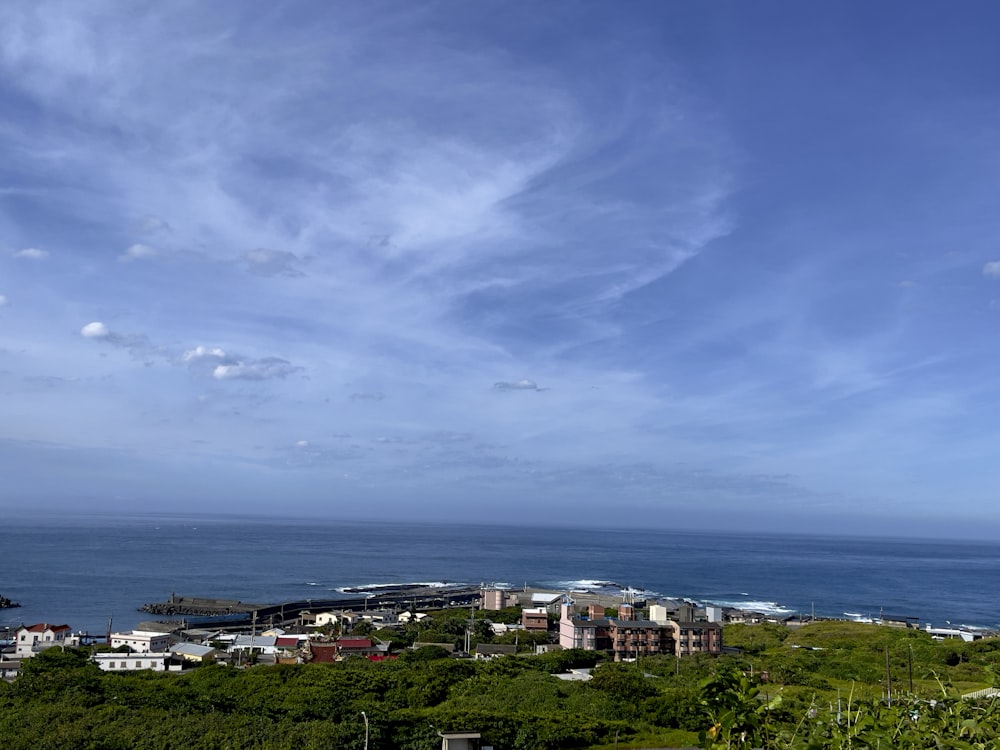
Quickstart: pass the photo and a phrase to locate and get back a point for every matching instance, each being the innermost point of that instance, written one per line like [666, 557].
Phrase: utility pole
[365, 717]
[909, 647]
[888, 677]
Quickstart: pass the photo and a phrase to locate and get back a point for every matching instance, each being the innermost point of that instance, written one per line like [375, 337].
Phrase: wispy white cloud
[391, 208]
[32, 253]
[265, 368]
[517, 385]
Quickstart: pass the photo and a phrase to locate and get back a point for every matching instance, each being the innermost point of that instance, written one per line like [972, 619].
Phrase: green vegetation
[825, 688]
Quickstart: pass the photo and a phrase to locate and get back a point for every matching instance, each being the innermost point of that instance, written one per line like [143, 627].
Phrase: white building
[111, 662]
[142, 641]
[343, 619]
[31, 639]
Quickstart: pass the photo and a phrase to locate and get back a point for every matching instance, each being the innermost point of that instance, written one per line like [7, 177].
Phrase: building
[460, 740]
[631, 639]
[628, 637]
[342, 618]
[112, 662]
[535, 618]
[9, 669]
[494, 599]
[697, 637]
[30, 639]
[590, 632]
[142, 641]
[495, 650]
[193, 652]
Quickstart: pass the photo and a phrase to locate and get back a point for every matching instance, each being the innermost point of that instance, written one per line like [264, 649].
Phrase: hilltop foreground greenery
[826, 686]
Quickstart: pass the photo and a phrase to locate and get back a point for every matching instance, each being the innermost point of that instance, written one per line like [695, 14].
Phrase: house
[262, 644]
[9, 668]
[406, 617]
[535, 618]
[343, 619]
[502, 628]
[142, 641]
[112, 662]
[30, 639]
[449, 647]
[495, 650]
[547, 599]
[193, 652]
[380, 618]
[361, 647]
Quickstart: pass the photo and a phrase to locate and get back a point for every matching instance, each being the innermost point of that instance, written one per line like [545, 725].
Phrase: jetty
[198, 605]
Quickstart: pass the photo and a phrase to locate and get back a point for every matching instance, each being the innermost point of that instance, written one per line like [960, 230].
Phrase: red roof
[353, 643]
[286, 641]
[323, 652]
[43, 626]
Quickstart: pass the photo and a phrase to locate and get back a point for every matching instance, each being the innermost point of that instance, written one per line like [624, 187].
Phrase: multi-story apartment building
[627, 637]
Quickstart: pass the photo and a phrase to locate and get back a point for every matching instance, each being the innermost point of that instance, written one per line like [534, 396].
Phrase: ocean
[83, 571]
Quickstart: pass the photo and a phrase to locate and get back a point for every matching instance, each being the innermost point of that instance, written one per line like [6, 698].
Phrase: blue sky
[667, 264]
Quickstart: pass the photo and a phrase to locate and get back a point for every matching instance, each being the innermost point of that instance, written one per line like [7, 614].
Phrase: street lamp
[365, 717]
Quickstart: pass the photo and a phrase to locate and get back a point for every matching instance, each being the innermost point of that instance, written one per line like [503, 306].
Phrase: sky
[655, 264]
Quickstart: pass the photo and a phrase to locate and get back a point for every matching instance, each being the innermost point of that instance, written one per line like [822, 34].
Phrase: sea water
[84, 571]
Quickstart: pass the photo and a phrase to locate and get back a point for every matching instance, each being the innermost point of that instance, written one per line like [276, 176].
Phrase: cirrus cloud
[32, 253]
[266, 368]
[517, 385]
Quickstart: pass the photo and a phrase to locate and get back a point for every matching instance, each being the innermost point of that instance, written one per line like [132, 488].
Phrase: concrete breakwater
[197, 605]
[209, 612]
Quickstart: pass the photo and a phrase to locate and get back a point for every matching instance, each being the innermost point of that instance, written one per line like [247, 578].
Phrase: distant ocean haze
[85, 571]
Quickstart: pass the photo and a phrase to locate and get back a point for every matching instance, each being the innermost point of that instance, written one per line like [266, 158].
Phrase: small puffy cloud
[992, 269]
[138, 252]
[271, 263]
[367, 397]
[517, 385]
[267, 368]
[301, 443]
[3, 300]
[95, 330]
[202, 352]
[32, 253]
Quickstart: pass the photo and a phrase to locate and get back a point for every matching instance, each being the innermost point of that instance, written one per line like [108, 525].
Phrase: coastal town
[484, 622]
